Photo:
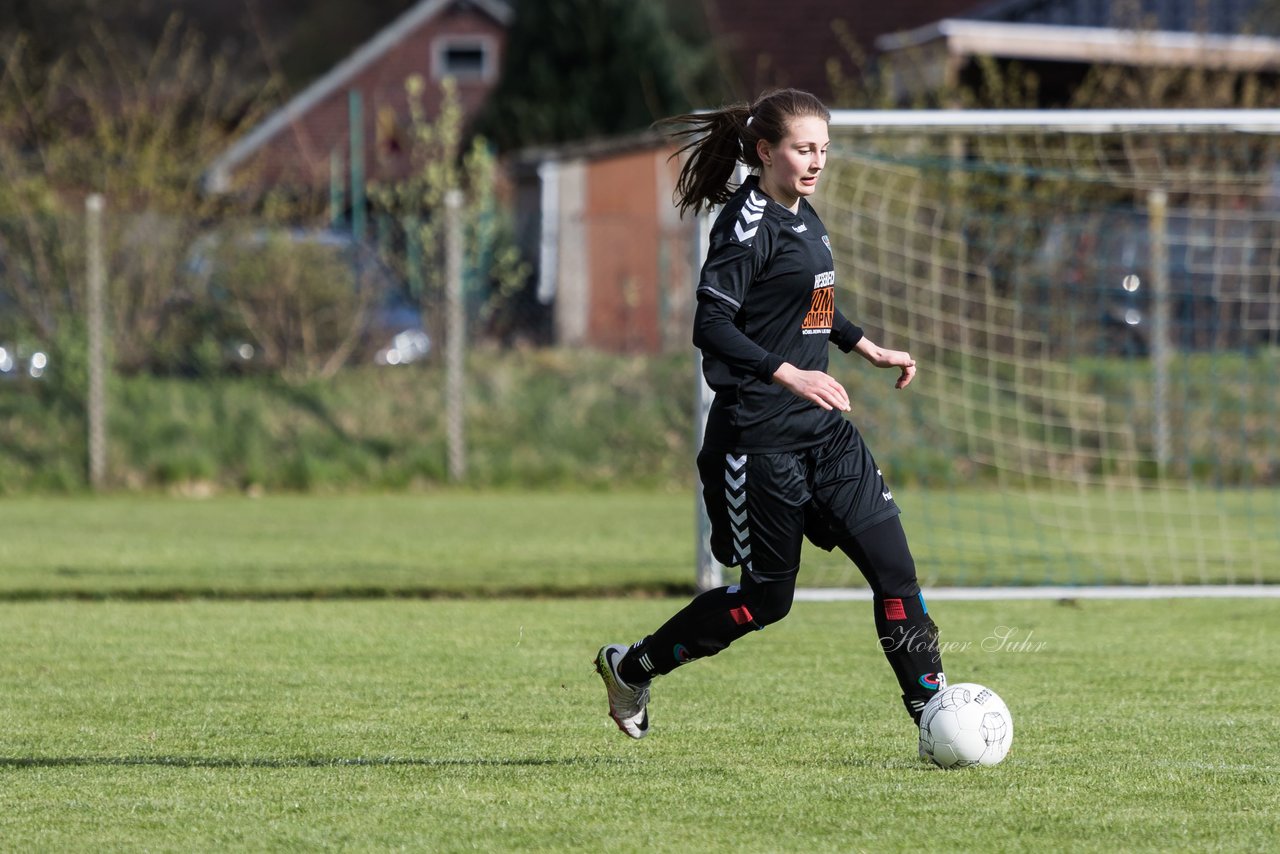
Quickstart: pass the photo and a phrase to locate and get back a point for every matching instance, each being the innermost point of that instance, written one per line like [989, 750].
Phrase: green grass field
[252, 674]
[577, 543]
[478, 725]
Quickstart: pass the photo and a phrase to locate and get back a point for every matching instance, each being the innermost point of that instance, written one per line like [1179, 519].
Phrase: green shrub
[533, 419]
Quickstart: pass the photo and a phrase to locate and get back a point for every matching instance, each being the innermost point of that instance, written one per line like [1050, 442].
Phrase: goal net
[1093, 299]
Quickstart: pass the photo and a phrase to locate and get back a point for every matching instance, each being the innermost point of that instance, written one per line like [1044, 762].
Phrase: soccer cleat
[915, 707]
[628, 706]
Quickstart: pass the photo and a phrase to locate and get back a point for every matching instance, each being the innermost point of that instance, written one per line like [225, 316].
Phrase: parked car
[17, 362]
[269, 283]
[1217, 275]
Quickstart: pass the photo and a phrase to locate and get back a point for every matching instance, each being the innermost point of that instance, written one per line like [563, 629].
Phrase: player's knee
[904, 590]
[770, 602]
[896, 579]
[772, 609]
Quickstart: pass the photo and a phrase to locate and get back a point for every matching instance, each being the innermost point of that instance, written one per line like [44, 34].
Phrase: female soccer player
[779, 462]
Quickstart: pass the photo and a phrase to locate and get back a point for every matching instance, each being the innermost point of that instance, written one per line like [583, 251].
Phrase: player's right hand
[814, 386]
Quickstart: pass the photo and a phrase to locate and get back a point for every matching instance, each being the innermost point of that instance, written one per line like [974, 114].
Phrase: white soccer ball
[965, 724]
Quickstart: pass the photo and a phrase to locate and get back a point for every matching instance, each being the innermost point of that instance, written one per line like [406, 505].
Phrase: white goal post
[1094, 300]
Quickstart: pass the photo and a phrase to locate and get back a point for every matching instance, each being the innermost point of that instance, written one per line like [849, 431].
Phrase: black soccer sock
[909, 639]
[907, 634]
[707, 625]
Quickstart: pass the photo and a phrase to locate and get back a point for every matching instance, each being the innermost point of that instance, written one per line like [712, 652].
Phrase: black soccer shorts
[762, 506]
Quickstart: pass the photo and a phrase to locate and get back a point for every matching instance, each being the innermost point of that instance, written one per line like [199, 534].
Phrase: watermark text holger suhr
[1001, 639]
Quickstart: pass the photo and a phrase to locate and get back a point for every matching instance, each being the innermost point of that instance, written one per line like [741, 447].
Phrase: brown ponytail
[718, 140]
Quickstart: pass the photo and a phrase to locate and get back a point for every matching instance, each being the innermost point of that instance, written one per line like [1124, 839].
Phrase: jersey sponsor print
[822, 310]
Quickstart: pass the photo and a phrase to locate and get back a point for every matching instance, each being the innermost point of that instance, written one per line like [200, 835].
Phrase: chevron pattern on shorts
[735, 493]
[748, 220]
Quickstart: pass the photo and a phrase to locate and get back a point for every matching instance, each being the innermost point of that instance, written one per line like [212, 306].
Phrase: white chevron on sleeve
[752, 211]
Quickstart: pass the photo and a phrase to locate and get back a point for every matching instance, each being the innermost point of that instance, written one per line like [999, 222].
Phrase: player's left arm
[882, 357]
[849, 337]
[844, 333]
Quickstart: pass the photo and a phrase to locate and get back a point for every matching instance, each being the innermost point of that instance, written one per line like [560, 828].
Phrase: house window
[464, 59]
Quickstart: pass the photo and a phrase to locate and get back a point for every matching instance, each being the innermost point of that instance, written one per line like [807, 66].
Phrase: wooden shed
[613, 257]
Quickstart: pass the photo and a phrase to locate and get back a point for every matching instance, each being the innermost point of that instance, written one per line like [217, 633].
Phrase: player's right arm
[814, 386]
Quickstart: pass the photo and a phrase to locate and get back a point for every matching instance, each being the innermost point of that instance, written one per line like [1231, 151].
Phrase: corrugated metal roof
[1223, 17]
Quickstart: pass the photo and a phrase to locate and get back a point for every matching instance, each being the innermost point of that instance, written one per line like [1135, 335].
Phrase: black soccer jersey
[766, 296]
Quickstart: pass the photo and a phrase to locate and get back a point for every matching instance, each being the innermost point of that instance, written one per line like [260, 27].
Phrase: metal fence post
[97, 401]
[1158, 215]
[710, 574]
[455, 334]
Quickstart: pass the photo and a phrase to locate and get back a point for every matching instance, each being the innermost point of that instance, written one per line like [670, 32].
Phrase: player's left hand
[882, 357]
[897, 359]
[908, 374]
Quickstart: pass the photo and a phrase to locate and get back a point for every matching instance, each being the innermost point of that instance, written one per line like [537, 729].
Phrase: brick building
[302, 143]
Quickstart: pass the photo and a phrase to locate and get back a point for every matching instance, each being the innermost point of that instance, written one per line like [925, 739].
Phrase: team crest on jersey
[826, 241]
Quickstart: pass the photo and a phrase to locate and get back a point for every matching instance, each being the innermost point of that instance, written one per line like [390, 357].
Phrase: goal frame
[710, 574]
